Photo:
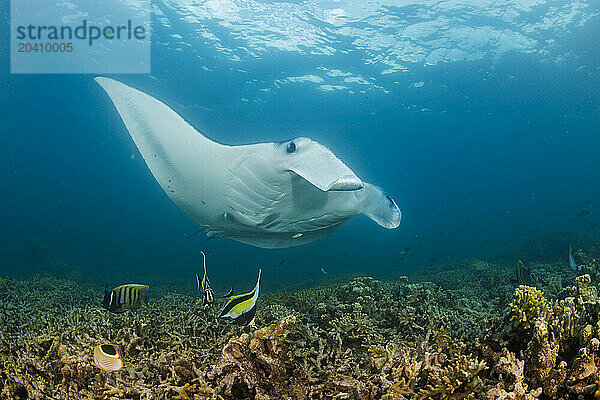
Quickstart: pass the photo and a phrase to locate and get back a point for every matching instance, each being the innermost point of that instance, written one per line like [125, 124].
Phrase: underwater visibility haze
[478, 121]
[404, 178]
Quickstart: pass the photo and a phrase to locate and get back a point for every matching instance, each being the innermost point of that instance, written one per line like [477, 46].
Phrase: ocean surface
[481, 119]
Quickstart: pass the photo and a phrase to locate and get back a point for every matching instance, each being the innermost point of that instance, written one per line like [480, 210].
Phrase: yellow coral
[597, 393]
[456, 380]
[2, 280]
[527, 305]
[186, 390]
[376, 351]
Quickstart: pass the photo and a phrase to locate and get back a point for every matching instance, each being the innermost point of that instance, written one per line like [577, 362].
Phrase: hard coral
[188, 390]
[559, 350]
[52, 326]
[259, 366]
[455, 380]
[366, 339]
[511, 380]
[527, 305]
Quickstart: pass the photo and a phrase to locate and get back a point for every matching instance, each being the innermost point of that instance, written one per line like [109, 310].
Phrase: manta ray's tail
[380, 207]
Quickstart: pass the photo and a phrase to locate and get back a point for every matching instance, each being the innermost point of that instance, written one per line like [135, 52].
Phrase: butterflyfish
[107, 357]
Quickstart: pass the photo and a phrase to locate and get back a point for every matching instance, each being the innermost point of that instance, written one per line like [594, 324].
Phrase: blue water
[483, 124]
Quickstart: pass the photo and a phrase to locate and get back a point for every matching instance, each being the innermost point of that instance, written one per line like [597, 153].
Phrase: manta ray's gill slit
[315, 223]
[240, 209]
[271, 225]
[249, 178]
[269, 220]
[254, 205]
[250, 193]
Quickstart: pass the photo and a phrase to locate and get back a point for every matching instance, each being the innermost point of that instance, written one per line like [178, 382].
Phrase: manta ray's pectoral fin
[175, 152]
[380, 207]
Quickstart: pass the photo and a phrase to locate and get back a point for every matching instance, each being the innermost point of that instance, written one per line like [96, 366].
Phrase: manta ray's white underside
[266, 194]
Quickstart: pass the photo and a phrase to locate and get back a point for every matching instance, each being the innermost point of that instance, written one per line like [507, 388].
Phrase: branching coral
[455, 380]
[527, 305]
[54, 325]
[364, 339]
[260, 365]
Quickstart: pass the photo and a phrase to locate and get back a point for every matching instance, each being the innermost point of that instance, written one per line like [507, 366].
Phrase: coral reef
[49, 328]
[558, 354]
[471, 332]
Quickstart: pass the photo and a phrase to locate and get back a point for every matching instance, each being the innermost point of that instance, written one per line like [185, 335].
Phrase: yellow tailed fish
[241, 308]
[125, 297]
[107, 357]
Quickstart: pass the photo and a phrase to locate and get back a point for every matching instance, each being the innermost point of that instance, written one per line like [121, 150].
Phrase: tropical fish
[523, 274]
[208, 295]
[107, 357]
[241, 308]
[125, 297]
[323, 270]
[572, 262]
[583, 213]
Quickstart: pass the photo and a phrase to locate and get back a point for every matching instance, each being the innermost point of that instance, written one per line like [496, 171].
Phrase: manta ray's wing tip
[109, 84]
[106, 83]
[101, 79]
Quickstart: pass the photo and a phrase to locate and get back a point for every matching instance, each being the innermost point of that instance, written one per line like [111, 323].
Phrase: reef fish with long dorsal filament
[208, 295]
[241, 308]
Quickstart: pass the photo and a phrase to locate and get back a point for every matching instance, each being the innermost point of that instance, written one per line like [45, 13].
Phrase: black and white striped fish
[241, 308]
[208, 295]
[125, 297]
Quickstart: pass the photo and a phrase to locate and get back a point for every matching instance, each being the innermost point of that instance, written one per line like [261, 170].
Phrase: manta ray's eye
[291, 147]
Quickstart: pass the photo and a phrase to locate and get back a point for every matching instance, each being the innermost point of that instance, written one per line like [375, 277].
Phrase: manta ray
[269, 195]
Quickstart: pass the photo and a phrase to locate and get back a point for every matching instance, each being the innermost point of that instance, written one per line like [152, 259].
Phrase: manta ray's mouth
[346, 184]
